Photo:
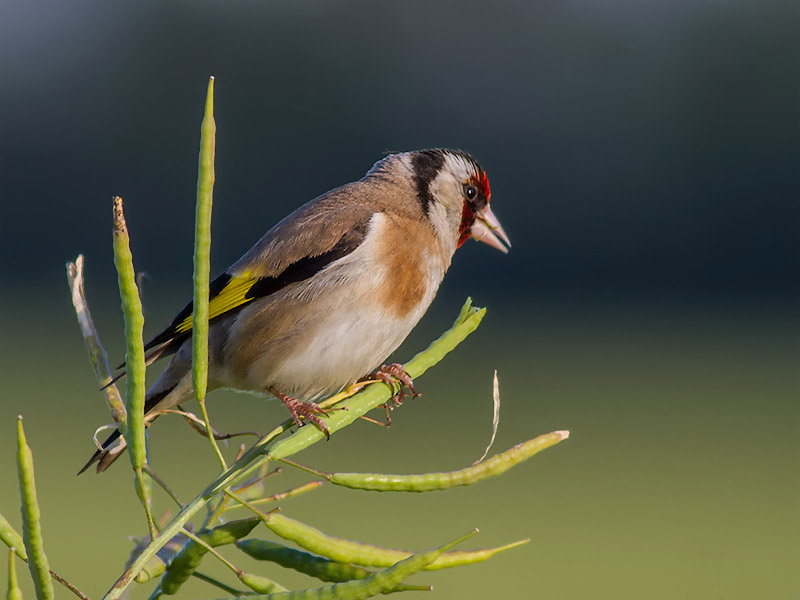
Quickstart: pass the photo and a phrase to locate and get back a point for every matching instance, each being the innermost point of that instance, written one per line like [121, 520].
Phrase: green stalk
[365, 555]
[135, 367]
[217, 583]
[31, 528]
[202, 262]
[373, 395]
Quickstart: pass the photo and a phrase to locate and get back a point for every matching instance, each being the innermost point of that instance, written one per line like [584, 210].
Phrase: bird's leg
[388, 374]
[298, 408]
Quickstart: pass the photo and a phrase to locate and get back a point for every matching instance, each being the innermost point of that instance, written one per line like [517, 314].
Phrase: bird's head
[454, 193]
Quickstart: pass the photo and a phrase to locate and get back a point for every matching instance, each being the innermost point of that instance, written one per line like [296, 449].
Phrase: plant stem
[467, 321]
[212, 550]
[308, 487]
[217, 583]
[162, 484]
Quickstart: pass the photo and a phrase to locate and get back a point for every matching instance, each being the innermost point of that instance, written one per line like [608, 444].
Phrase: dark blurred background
[644, 159]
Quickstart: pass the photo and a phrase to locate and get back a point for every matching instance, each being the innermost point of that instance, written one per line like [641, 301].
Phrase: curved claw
[308, 410]
[395, 372]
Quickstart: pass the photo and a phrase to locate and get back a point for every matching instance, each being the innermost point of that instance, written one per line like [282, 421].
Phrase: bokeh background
[644, 161]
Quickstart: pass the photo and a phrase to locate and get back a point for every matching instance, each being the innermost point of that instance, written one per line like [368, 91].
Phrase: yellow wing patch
[231, 296]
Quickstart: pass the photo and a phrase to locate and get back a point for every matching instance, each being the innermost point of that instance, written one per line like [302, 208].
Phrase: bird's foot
[308, 410]
[395, 372]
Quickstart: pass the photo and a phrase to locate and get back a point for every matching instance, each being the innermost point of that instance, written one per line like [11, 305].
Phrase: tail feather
[152, 356]
[109, 451]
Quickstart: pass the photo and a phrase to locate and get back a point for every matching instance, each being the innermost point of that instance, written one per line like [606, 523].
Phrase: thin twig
[308, 487]
[64, 582]
[213, 551]
[68, 585]
[247, 504]
[222, 505]
[215, 582]
[296, 465]
[163, 484]
[199, 426]
[255, 480]
[209, 433]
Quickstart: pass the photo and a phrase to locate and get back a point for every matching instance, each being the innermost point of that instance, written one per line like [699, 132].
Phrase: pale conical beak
[487, 229]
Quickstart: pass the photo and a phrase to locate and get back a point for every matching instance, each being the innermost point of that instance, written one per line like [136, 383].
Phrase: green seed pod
[309, 564]
[202, 246]
[260, 584]
[378, 583]
[496, 465]
[11, 538]
[347, 551]
[303, 562]
[158, 564]
[31, 528]
[190, 556]
[13, 592]
[134, 324]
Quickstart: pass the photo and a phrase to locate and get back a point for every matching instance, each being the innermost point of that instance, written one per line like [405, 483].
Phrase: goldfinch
[332, 290]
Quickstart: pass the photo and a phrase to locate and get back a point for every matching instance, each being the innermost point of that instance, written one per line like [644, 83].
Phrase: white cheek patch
[443, 224]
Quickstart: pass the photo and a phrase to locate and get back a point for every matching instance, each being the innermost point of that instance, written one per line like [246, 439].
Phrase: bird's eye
[470, 191]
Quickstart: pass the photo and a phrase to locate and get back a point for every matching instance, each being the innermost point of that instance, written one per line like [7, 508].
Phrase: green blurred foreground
[679, 479]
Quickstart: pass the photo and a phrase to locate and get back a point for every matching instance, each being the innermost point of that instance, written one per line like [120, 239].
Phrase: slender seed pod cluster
[347, 551]
[309, 564]
[378, 583]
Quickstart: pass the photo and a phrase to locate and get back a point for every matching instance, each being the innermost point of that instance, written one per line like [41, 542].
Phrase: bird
[327, 294]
